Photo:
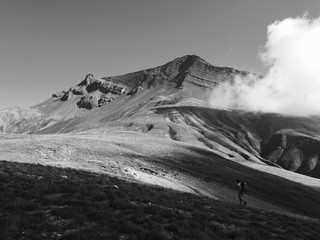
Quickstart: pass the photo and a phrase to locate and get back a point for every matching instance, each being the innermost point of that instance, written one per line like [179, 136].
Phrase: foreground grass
[42, 202]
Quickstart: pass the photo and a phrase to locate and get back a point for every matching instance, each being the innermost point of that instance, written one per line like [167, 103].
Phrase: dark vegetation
[42, 202]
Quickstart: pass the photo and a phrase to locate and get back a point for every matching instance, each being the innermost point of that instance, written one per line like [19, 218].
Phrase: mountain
[185, 81]
[144, 156]
[171, 101]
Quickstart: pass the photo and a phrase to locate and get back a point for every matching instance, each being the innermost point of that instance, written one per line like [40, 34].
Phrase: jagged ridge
[179, 73]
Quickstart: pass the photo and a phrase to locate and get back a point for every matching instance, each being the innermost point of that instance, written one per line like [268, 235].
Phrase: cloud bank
[292, 84]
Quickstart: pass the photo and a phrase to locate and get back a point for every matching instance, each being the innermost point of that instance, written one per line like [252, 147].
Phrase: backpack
[243, 186]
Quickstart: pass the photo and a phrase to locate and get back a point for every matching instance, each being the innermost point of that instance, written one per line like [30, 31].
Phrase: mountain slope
[170, 102]
[60, 203]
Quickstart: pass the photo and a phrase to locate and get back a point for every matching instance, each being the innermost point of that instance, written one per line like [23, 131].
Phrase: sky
[50, 45]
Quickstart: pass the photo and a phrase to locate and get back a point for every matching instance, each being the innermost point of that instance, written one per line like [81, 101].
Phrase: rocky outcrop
[106, 86]
[87, 81]
[94, 100]
[78, 90]
[104, 99]
[66, 96]
[88, 102]
[58, 94]
[136, 90]
[95, 92]
[293, 151]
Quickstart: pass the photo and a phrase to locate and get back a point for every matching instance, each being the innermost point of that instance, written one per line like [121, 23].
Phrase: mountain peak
[190, 57]
[189, 72]
[187, 60]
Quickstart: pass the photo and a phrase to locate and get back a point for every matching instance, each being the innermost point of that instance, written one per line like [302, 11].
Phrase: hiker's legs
[240, 195]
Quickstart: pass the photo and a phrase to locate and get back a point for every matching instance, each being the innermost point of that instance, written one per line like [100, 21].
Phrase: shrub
[152, 209]
[173, 227]
[29, 206]
[248, 234]
[127, 227]
[65, 212]
[154, 234]
[95, 215]
[118, 203]
[99, 197]
[83, 234]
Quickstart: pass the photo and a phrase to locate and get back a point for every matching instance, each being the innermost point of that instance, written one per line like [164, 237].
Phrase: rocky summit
[185, 72]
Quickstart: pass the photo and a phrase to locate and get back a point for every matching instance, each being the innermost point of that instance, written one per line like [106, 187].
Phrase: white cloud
[292, 84]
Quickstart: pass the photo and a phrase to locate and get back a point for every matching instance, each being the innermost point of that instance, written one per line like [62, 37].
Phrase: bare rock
[58, 94]
[102, 101]
[136, 90]
[88, 102]
[117, 89]
[79, 90]
[66, 96]
[87, 81]
[105, 86]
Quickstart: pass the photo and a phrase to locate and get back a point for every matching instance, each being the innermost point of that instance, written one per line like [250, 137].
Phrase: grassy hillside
[42, 202]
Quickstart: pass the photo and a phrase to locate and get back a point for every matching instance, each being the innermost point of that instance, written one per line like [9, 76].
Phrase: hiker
[242, 188]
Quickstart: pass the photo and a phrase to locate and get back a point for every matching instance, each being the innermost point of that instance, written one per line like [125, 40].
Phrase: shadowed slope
[40, 202]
